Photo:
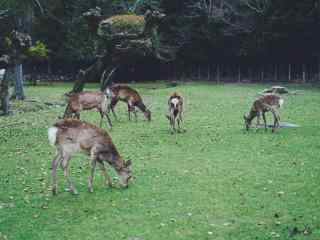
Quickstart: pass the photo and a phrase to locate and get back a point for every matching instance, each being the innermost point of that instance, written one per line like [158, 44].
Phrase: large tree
[122, 39]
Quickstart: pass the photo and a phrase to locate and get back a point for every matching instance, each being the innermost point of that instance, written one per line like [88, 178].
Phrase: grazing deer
[87, 100]
[130, 96]
[70, 136]
[175, 104]
[265, 103]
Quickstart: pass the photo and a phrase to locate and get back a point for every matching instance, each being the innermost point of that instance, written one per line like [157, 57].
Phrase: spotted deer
[87, 100]
[130, 96]
[70, 136]
[175, 104]
[263, 104]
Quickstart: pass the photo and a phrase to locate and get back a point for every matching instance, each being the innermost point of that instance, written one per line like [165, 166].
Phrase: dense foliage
[263, 31]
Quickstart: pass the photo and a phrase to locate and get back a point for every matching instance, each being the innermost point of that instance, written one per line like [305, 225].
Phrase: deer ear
[128, 163]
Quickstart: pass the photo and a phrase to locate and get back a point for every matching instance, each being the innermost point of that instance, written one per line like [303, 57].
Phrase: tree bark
[318, 71]
[92, 73]
[218, 74]
[262, 73]
[4, 94]
[239, 73]
[303, 73]
[250, 74]
[19, 93]
[289, 73]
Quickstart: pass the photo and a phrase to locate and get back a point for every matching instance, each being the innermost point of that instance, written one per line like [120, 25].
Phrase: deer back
[86, 100]
[267, 100]
[125, 93]
[82, 135]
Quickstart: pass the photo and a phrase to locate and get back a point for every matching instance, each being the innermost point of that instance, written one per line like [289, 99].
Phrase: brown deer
[175, 104]
[130, 96]
[263, 104]
[87, 100]
[70, 136]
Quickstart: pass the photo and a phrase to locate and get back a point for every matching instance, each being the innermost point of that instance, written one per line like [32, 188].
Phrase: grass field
[215, 181]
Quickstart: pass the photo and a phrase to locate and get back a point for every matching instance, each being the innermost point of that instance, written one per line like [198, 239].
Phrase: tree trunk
[239, 73]
[319, 71]
[218, 74]
[303, 73]
[19, 93]
[262, 73]
[208, 72]
[289, 73]
[276, 72]
[4, 94]
[92, 73]
[250, 74]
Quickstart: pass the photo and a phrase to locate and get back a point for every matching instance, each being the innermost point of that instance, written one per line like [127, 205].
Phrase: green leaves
[39, 50]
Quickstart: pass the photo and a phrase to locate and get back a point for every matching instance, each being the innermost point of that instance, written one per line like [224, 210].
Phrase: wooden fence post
[289, 73]
[218, 73]
[303, 73]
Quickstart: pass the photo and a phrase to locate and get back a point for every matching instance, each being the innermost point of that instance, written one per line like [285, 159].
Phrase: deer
[128, 95]
[70, 136]
[175, 104]
[265, 103]
[87, 100]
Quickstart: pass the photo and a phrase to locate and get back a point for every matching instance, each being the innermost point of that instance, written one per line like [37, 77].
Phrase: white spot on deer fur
[281, 101]
[175, 101]
[52, 135]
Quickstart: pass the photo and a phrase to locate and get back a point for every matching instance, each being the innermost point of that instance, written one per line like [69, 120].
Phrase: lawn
[215, 181]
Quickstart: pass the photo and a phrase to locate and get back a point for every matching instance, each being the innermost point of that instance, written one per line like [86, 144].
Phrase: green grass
[213, 182]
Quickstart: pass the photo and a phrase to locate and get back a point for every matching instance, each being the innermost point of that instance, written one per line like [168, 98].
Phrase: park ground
[215, 181]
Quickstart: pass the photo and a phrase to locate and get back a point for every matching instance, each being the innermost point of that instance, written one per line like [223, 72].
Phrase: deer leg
[64, 165]
[173, 119]
[54, 166]
[129, 112]
[67, 111]
[90, 179]
[278, 118]
[108, 119]
[105, 173]
[101, 117]
[275, 119]
[180, 116]
[258, 120]
[111, 106]
[135, 114]
[264, 120]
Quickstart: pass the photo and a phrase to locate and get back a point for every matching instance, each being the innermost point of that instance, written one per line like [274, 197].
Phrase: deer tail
[281, 101]
[52, 135]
